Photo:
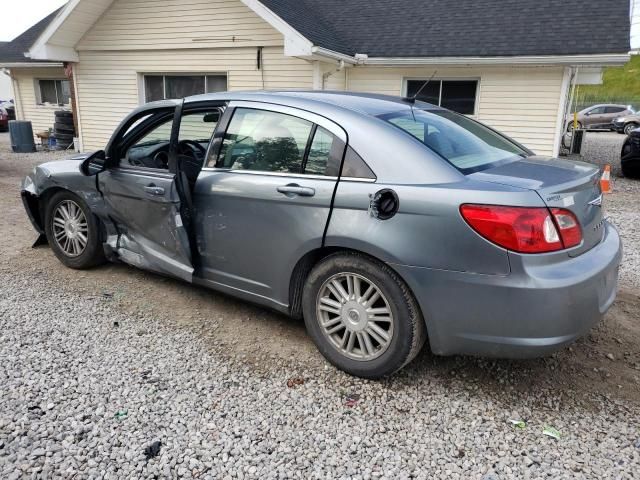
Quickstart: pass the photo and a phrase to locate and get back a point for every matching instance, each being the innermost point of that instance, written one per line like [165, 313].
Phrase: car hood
[65, 172]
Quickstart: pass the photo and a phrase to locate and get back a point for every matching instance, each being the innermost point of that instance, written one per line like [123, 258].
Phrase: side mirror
[93, 164]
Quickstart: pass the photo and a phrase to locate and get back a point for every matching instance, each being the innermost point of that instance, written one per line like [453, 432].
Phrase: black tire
[63, 137]
[64, 127]
[409, 331]
[64, 121]
[93, 253]
[63, 114]
[629, 127]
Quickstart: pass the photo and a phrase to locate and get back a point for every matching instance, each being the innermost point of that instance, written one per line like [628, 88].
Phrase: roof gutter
[30, 64]
[598, 59]
[362, 59]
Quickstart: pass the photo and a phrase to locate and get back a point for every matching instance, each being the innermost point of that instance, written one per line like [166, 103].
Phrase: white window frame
[406, 80]
[38, 92]
[142, 88]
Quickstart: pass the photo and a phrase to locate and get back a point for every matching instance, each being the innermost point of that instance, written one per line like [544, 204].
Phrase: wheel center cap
[71, 229]
[354, 316]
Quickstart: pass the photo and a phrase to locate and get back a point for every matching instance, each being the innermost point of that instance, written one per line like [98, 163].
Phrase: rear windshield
[466, 144]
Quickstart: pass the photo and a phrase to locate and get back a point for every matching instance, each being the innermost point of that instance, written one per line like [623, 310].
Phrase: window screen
[456, 95]
[56, 92]
[160, 87]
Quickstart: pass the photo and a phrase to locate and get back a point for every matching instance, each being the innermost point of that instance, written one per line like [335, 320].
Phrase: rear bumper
[541, 306]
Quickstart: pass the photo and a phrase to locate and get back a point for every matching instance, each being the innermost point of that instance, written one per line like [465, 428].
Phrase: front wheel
[629, 127]
[362, 316]
[73, 231]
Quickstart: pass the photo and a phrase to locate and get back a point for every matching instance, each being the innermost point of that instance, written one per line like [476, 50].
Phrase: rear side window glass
[355, 167]
[319, 152]
[262, 140]
[614, 109]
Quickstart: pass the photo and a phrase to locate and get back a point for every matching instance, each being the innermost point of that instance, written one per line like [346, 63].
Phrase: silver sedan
[383, 222]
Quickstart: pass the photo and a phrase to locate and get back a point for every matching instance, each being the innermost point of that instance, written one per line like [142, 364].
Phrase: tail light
[524, 229]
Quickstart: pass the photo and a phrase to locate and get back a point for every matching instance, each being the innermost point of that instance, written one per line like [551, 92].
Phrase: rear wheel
[362, 316]
[570, 126]
[73, 231]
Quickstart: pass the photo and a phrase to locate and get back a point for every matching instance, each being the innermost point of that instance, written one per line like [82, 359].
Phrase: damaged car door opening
[384, 224]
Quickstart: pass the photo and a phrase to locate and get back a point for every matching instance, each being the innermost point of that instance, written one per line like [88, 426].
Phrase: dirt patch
[606, 362]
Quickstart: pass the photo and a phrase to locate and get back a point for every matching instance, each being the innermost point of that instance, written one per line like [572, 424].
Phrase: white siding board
[178, 24]
[521, 102]
[42, 117]
[108, 82]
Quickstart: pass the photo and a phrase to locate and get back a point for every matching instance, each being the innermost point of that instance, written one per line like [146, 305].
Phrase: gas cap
[384, 204]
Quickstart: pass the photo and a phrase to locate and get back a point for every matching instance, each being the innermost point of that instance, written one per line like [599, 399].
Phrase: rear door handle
[153, 190]
[294, 189]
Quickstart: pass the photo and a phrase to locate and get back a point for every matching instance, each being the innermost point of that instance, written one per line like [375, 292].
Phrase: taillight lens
[524, 229]
[568, 226]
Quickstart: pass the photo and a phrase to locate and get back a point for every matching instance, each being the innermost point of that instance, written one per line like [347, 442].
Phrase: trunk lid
[571, 185]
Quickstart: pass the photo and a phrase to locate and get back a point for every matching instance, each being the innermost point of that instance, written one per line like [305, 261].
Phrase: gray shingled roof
[13, 51]
[442, 28]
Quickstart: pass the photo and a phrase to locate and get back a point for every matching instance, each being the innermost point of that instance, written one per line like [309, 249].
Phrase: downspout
[326, 75]
[77, 119]
[17, 97]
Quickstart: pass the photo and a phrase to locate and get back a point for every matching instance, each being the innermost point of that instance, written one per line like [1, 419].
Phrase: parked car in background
[630, 155]
[627, 123]
[383, 222]
[7, 113]
[598, 116]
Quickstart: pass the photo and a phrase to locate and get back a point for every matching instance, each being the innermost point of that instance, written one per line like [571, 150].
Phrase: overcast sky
[19, 15]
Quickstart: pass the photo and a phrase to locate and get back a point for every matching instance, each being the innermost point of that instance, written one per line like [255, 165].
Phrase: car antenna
[412, 100]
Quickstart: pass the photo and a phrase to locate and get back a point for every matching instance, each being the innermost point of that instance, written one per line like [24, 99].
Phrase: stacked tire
[63, 129]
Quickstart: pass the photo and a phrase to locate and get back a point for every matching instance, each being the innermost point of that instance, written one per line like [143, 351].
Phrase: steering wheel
[191, 146]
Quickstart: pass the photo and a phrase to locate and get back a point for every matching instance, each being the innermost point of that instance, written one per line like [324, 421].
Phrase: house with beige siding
[510, 64]
[38, 87]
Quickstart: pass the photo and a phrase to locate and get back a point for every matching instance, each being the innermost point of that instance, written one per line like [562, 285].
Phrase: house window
[160, 87]
[54, 92]
[456, 95]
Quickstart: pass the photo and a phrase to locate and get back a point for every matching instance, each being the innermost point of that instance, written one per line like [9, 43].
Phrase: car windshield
[467, 145]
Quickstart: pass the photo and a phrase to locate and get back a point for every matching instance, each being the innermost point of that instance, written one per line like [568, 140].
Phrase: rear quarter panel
[428, 230]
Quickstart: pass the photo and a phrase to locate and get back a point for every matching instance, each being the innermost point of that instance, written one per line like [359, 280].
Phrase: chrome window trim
[289, 175]
[324, 122]
[269, 174]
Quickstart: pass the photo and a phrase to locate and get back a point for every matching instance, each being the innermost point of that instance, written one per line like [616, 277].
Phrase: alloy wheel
[70, 228]
[355, 316]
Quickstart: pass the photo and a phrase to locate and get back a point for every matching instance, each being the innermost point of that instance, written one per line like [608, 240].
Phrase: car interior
[150, 148]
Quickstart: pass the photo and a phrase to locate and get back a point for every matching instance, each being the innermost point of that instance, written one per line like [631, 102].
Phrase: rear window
[466, 144]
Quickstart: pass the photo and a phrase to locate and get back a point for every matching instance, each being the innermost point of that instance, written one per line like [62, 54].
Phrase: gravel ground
[96, 366]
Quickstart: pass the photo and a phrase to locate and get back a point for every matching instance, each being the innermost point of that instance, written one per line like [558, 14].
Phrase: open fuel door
[144, 197]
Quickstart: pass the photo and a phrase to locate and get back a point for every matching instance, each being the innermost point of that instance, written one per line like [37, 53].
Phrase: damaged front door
[143, 199]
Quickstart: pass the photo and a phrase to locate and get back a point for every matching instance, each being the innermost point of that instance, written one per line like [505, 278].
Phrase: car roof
[364, 103]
